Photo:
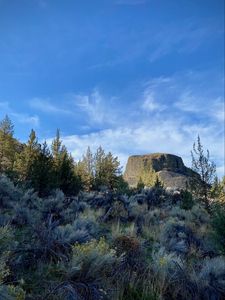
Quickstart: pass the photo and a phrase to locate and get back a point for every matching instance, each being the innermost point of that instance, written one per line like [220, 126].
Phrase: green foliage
[99, 170]
[158, 183]
[8, 192]
[86, 169]
[107, 169]
[147, 176]
[8, 146]
[139, 293]
[218, 223]
[187, 201]
[218, 189]
[122, 187]
[63, 168]
[115, 244]
[206, 170]
[211, 278]
[91, 270]
[41, 171]
[140, 184]
[25, 158]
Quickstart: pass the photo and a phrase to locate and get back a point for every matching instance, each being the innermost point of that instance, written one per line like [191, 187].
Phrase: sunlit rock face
[170, 169]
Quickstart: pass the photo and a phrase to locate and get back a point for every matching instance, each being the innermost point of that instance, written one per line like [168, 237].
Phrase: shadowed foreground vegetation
[76, 231]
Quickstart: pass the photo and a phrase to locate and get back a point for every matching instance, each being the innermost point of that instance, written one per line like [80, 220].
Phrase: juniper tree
[206, 169]
[86, 169]
[41, 174]
[106, 169]
[25, 158]
[148, 176]
[111, 170]
[63, 167]
[7, 145]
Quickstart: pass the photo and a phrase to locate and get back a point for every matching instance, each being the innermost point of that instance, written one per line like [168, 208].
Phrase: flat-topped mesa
[170, 169]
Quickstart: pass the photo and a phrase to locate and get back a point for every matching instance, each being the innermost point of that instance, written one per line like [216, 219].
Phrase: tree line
[43, 168]
[40, 167]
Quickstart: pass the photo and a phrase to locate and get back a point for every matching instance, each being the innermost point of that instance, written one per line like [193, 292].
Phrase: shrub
[8, 192]
[177, 237]
[218, 224]
[187, 201]
[211, 278]
[91, 273]
[164, 267]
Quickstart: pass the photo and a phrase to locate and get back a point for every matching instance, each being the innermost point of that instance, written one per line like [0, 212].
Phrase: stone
[169, 168]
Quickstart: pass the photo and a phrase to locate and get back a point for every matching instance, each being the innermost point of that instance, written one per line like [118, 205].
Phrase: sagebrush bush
[218, 224]
[211, 278]
[91, 272]
[187, 201]
[106, 246]
[8, 192]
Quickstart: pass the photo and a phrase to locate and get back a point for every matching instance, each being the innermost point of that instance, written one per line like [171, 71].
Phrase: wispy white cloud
[26, 119]
[178, 108]
[92, 105]
[98, 108]
[33, 120]
[196, 104]
[183, 38]
[46, 106]
[169, 136]
[150, 104]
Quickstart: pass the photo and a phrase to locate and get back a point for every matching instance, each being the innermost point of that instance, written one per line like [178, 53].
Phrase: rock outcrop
[170, 169]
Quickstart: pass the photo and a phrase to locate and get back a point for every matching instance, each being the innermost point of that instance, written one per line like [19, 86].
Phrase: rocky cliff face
[170, 169]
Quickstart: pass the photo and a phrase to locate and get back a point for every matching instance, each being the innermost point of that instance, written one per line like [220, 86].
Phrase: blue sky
[135, 76]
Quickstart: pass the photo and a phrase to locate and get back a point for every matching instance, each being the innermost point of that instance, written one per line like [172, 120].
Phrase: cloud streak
[44, 105]
[159, 136]
[32, 120]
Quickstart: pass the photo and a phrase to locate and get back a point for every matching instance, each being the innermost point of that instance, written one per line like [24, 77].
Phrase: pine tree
[57, 150]
[25, 158]
[112, 170]
[41, 172]
[6, 126]
[8, 146]
[85, 169]
[140, 184]
[148, 176]
[218, 189]
[206, 169]
[158, 183]
[106, 169]
[99, 167]
[64, 170]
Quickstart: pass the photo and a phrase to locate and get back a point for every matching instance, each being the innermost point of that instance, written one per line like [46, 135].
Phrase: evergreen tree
[25, 158]
[87, 169]
[140, 184]
[6, 126]
[218, 189]
[112, 170]
[206, 169]
[99, 167]
[158, 183]
[106, 169]
[41, 172]
[63, 165]
[8, 146]
[148, 176]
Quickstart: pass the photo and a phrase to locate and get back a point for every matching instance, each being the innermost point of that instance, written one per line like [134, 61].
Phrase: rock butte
[170, 169]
